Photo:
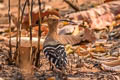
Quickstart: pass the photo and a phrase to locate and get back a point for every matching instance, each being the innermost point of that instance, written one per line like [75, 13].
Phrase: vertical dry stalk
[30, 24]
[21, 18]
[18, 35]
[39, 35]
[19, 13]
[9, 14]
[23, 12]
[31, 29]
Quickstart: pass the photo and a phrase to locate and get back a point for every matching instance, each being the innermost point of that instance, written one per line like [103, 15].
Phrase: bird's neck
[53, 31]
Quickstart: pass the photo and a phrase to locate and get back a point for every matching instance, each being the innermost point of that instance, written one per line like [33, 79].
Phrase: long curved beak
[72, 22]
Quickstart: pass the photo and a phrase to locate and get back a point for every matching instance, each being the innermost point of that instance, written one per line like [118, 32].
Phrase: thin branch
[30, 24]
[10, 53]
[18, 35]
[23, 10]
[72, 5]
[21, 18]
[18, 23]
[31, 9]
[39, 35]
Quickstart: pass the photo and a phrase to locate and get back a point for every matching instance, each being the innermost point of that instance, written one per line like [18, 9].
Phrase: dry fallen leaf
[68, 29]
[99, 17]
[78, 31]
[44, 30]
[113, 24]
[108, 0]
[117, 16]
[98, 49]
[69, 49]
[81, 51]
[112, 63]
[51, 78]
[35, 20]
[117, 19]
[111, 66]
[89, 35]
[83, 46]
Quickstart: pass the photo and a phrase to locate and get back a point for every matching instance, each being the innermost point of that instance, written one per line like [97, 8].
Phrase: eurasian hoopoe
[52, 48]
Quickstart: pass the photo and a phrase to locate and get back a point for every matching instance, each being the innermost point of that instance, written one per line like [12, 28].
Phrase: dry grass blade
[20, 20]
[32, 55]
[39, 35]
[10, 53]
[30, 25]
[23, 11]
[18, 36]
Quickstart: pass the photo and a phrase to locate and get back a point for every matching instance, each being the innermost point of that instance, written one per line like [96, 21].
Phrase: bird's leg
[60, 74]
[63, 75]
[51, 66]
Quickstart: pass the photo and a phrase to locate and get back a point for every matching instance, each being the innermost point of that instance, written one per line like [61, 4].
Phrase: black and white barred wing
[56, 54]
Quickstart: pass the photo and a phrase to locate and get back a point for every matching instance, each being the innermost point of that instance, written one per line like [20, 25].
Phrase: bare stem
[10, 53]
[18, 35]
[20, 21]
[39, 35]
[72, 5]
[23, 10]
[30, 24]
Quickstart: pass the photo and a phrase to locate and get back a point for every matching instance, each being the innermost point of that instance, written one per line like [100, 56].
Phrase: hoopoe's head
[52, 20]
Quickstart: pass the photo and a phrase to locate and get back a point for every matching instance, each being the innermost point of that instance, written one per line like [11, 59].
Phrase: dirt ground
[89, 69]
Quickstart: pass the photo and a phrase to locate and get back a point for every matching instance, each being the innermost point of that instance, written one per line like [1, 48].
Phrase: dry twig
[30, 24]
[10, 53]
[72, 5]
[39, 35]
